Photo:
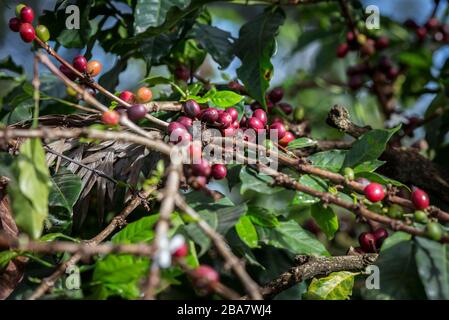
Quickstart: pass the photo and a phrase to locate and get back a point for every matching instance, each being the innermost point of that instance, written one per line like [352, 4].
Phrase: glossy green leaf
[65, 189]
[330, 160]
[253, 181]
[247, 232]
[6, 257]
[326, 219]
[336, 286]
[301, 143]
[262, 217]
[226, 99]
[217, 42]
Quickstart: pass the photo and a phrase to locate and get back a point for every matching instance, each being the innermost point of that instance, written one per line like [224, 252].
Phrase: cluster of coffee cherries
[91, 68]
[358, 74]
[22, 23]
[371, 242]
[135, 112]
[360, 42]
[433, 29]
[375, 193]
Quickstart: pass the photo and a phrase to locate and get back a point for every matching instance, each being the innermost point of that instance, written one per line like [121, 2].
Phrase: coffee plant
[224, 149]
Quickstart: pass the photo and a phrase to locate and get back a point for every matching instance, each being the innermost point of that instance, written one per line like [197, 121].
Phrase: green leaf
[65, 189]
[313, 182]
[255, 46]
[6, 257]
[253, 181]
[432, 259]
[119, 275]
[336, 286]
[217, 42]
[290, 236]
[152, 13]
[225, 99]
[301, 143]
[247, 232]
[228, 217]
[330, 160]
[368, 166]
[369, 146]
[153, 81]
[262, 217]
[375, 177]
[29, 196]
[326, 219]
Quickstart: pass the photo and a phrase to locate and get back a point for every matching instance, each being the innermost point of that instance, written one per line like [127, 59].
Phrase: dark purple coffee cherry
[219, 171]
[80, 63]
[180, 135]
[225, 120]
[137, 112]
[368, 242]
[202, 168]
[175, 125]
[67, 72]
[185, 121]
[14, 24]
[380, 234]
[280, 128]
[182, 73]
[286, 107]
[192, 108]
[210, 115]
[276, 95]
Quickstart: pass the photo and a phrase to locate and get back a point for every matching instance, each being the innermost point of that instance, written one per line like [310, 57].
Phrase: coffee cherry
[392, 73]
[342, 50]
[434, 231]
[369, 47]
[182, 73]
[355, 82]
[299, 114]
[350, 36]
[179, 135]
[361, 39]
[348, 173]
[94, 68]
[210, 115]
[382, 43]
[380, 234]
[420, 199]
[395, 211]
[420, 216]
[27, 32]
[286, 107]
[219, 171]
[225, 120]
[235, 86]
[144, 95]
[235, 124]
[234, 113]
[280, 128]
[205, 278]
[202, 168]
[43, 33]
[410, 23]
[277, 119]
[243, 121]
[374, 192]
[432, 24]
[136, 112]
[80, 63]
[288, 137]
[195, 150]
[27, 14]
[71, 92]
[230, 131]
[261, 115]
[368, 242]
[181, 252]
[67, 72]
[127, 96]
[421, 33]
[19, 8]
[185, 121]
[175, 125]
[110, 117]
[276, 95]
[192, 108]
[255, 124]
[14, 24]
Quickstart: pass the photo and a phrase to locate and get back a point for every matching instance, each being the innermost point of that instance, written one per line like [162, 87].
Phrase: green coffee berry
[420, 216]
[434, 231]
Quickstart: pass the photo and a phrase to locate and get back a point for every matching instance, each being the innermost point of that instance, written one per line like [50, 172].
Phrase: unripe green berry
[299, 114]
[420, 216]
[395, 211]
[434, 231]
[348, 173]
[43, 33]
[19, 8]
[376, 207]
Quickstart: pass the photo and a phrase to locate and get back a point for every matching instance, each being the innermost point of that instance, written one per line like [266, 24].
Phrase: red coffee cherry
[286, 107]
[380, 234]
[182, 251]
[27, 15]
[350, 37]
[230, 131]
[210, 115]
[27, 32]
[432, 24]
[261, 115]
[421, 33]
[80, 63]
[420, 199]
[368, 242]
[205, 278]
[374, 192]
[94, 68]
[136, 112]
[276, 95]
[14, 24]
[219, 171]
[286, 139]
[110, 117]
[67, 72]
[182, 73]
[175, 125]
[192, 108]
[185, 121]
[234, 113]
[280, 128]
[180, 134]
[382, 43]
[225, 120]
[144, 95]
[202, 168]
[342, 50]
[255, 124]
[127, 96]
